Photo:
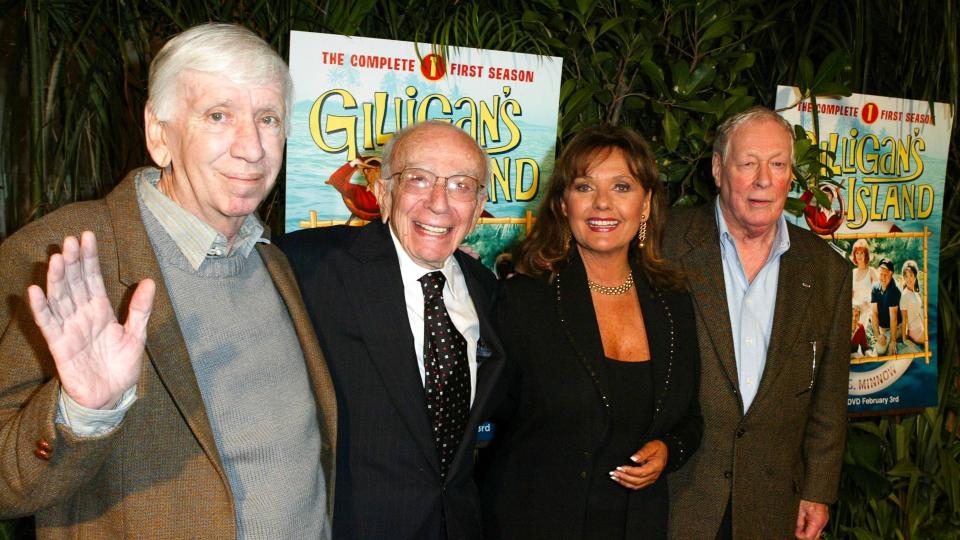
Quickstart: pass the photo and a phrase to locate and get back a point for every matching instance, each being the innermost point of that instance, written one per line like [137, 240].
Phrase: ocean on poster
[890, 168]
[352, 94]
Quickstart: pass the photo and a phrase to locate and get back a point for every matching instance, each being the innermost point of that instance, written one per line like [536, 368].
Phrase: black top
[886, 299]
[553, 417]
[631, 409]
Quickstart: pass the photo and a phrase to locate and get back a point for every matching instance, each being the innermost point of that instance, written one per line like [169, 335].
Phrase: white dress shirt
[457, 299]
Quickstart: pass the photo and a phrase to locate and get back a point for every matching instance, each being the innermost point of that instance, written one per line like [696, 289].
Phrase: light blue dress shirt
[751, 305]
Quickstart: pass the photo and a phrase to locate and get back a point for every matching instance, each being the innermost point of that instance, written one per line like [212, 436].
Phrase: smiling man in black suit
[403, 318]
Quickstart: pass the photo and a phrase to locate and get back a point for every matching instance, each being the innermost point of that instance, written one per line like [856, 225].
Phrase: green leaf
[794, 206]
[584, 7]
[744, 61]
[833, 89]
[698, 105]
[671, 131]
[578, 99]
[822, 200]
[831, 66]
[734, 105]
[686, 201]
[654, 73]
[610, 24]
[904, 468]
[701, 77]
[590, 34]
[801, 149]
[717, 29]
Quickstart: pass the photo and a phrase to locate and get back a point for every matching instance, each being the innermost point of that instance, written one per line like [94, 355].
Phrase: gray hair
[227, 50]
[394, 149]
[721, 142]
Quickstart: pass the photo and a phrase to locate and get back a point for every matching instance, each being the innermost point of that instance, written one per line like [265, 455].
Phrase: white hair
[393, 150]
[721, 142]
[226, 50]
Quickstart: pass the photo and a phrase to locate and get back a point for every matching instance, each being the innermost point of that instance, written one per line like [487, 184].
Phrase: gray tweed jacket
[789, 445]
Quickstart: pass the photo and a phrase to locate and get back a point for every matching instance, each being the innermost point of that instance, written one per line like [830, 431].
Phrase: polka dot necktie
[446, 372]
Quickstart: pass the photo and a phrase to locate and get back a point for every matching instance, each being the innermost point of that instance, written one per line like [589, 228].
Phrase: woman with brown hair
[602, 361]
[912, 330]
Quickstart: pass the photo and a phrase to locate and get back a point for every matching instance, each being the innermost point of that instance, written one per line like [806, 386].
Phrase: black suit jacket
[552, 418]
[388, 481]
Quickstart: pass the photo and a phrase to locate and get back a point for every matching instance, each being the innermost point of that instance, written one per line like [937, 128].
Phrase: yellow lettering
[891, 201]
[423, 112]
[867, 159]
[335, 124]
[925, 205]
[508, 109]
[489, 123]
[501, 179]
[522, 164]
[907, 199]
[469, 122]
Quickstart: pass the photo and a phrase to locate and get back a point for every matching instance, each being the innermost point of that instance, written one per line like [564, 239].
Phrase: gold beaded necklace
[611, 291]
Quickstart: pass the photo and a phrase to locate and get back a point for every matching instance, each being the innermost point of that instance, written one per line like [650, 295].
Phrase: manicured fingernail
[634, 459]
[613, 474]
[620, 469]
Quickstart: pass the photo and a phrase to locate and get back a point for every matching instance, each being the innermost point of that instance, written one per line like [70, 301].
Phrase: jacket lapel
[795, 284]
[658, 323]
[703, 266]
[165, 346]
[284, 281]
[578, 320]
[490, 361]
[380, 301]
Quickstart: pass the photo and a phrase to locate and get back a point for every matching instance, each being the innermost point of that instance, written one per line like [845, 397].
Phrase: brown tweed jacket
[789, 444]
[158, 474]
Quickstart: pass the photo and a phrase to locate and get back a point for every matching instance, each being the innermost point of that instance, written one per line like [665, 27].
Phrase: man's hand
[811, 520]
[650, 460]
[97, 359]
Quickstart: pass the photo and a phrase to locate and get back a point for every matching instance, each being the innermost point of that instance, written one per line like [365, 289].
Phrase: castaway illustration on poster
[889, 158]
[352, 94]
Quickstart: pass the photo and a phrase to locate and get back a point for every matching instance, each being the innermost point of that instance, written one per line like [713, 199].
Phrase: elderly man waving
[209, 412]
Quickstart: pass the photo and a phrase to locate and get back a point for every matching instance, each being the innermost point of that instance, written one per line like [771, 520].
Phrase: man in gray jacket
[773, 318]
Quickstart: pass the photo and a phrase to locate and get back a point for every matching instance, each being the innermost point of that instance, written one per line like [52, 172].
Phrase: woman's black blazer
[537, 471]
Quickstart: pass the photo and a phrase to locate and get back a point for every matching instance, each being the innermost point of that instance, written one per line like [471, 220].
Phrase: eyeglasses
[460, 187]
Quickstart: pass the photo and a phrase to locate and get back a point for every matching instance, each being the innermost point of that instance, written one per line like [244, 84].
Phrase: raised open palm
[97, 358]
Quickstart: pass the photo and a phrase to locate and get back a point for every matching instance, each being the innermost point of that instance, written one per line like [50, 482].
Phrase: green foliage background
[73, 78]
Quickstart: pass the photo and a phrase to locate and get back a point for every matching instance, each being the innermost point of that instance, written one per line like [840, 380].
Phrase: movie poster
[888, 157]
[352, 94]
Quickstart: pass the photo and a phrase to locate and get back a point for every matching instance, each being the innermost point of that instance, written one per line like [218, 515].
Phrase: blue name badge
[484, 434]
[483, 352]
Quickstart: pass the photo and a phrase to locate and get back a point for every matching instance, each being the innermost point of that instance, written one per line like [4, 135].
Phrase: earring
[642, 233]
[566, 236]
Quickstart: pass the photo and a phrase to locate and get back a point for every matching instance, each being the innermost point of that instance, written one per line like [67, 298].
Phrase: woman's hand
[650, 461]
